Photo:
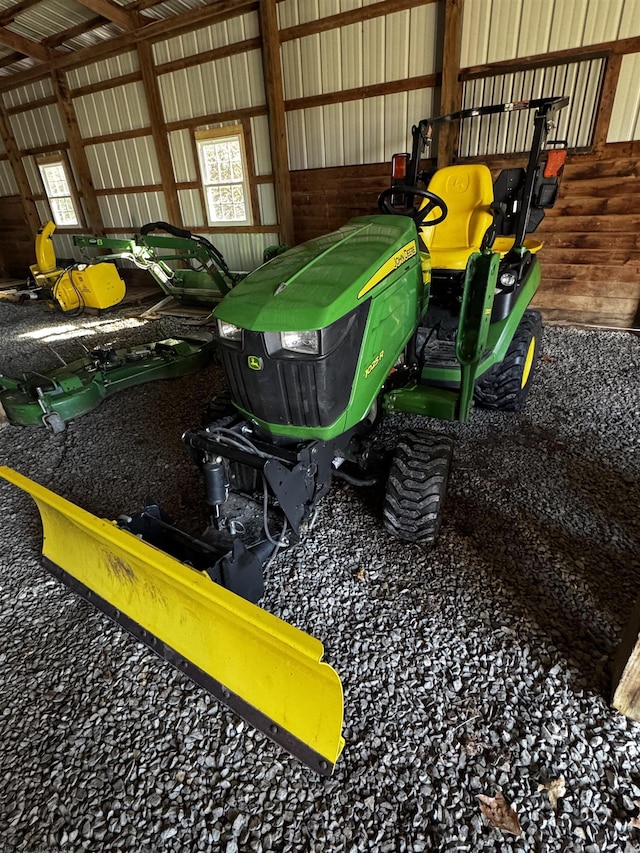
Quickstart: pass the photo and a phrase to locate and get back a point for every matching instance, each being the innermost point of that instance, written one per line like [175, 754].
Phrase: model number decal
[376, 361]
[401, 257]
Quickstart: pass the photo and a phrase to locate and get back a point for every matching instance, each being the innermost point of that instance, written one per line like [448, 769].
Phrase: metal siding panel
[291, 59]
[191, 208]
[603, 21]
[569, 17]
[311, 65]
[112, 111]
[267, 200]
[261, 145]
[506, 16]
[297, 140]
[373, 51]
[354, 135]
[132, 211]
[43, 211]
[49, 19]
[630, 20]
[397, 42]
[33, 175]
[333, 135]
[37, 127]
[26, 94]
[352, 63]
[106, 69]
[8, 184]
[395, 124]
[124, 163]
[287, 14]
[184, 166]
[331, 64]
[512, 132]
[207, 38]
[625, 117]
[535, 28]
[423, 40]
[314, 125]
[374, 121]
[476, 25]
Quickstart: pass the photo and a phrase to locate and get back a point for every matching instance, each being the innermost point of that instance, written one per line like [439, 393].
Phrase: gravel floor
[480, 666]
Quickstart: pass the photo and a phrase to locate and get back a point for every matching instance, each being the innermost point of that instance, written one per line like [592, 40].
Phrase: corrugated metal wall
[385, 50]
[494, 30]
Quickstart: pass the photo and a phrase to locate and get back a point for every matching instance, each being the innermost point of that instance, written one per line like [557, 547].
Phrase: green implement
[58, 396]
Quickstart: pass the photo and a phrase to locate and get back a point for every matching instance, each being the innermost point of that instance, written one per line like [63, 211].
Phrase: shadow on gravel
[569, 586]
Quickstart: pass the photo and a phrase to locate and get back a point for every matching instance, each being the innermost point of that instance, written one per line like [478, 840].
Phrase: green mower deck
[58, 396]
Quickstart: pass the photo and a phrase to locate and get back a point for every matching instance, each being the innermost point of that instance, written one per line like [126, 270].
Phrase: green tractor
[419, 309]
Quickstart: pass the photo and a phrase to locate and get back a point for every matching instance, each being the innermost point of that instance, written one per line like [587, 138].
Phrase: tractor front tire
[505, 386]
[417, 486]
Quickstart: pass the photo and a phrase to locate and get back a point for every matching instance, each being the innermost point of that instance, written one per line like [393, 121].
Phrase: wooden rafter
[9, 15]
[23, 45]
[118, 15]
[19, 173]
[202, 16]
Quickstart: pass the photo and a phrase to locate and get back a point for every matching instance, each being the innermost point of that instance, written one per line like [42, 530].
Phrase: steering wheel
[433, 202]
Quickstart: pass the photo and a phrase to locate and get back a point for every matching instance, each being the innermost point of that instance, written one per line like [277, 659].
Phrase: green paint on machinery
[73, 389]
[187, 266]
[422, 308]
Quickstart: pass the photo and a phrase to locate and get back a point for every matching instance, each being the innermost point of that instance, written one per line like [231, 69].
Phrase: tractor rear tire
[417, 486]
[505, 386]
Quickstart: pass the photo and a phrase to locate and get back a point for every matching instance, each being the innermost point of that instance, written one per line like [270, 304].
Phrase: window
[57, 186]
[223, 166]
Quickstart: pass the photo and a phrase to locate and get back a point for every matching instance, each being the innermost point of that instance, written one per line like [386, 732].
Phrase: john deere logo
[254, 362]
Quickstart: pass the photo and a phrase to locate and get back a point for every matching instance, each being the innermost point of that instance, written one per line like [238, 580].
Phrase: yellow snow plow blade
[264, 669]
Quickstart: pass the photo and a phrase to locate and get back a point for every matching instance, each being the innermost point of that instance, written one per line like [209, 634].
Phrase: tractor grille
[293, 389]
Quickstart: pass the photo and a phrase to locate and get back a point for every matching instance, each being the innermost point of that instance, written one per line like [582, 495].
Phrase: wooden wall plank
[29, 209]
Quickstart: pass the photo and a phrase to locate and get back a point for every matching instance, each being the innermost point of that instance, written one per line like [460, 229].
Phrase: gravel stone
[479, 665]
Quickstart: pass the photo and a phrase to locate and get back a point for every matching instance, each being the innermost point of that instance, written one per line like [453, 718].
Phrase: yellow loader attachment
[265, 670]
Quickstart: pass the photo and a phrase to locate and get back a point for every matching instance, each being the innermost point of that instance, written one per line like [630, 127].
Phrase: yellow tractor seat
[468, 193]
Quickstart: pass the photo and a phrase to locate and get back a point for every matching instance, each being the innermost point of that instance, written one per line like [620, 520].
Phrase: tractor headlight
[307, 343]
[228, 331]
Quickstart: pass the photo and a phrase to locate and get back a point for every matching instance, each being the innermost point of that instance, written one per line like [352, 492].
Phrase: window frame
[60, 159]
[234, 131]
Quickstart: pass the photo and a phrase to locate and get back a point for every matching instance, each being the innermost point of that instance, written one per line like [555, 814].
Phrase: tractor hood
[314, 284]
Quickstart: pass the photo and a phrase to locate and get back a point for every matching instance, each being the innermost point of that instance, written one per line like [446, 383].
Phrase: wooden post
[19, 173]
[451, 91]
[607, 97]
[625, 681]
[277, 125]
[159, 131]
[77, 153]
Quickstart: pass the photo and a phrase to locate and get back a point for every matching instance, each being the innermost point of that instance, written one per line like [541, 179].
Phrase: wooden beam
[32, 105]
[73, 32]
[272, 70]
[209, 56]
[77, 152]
[10, 58]
[354, 16]
[19, 173]
[556, 57]
[23, 45]
[159, 131]
[8, 16]
[607, 97]
[376, 90]
[202, 16]
[112, 12]
[103, 85]
[451, 91]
